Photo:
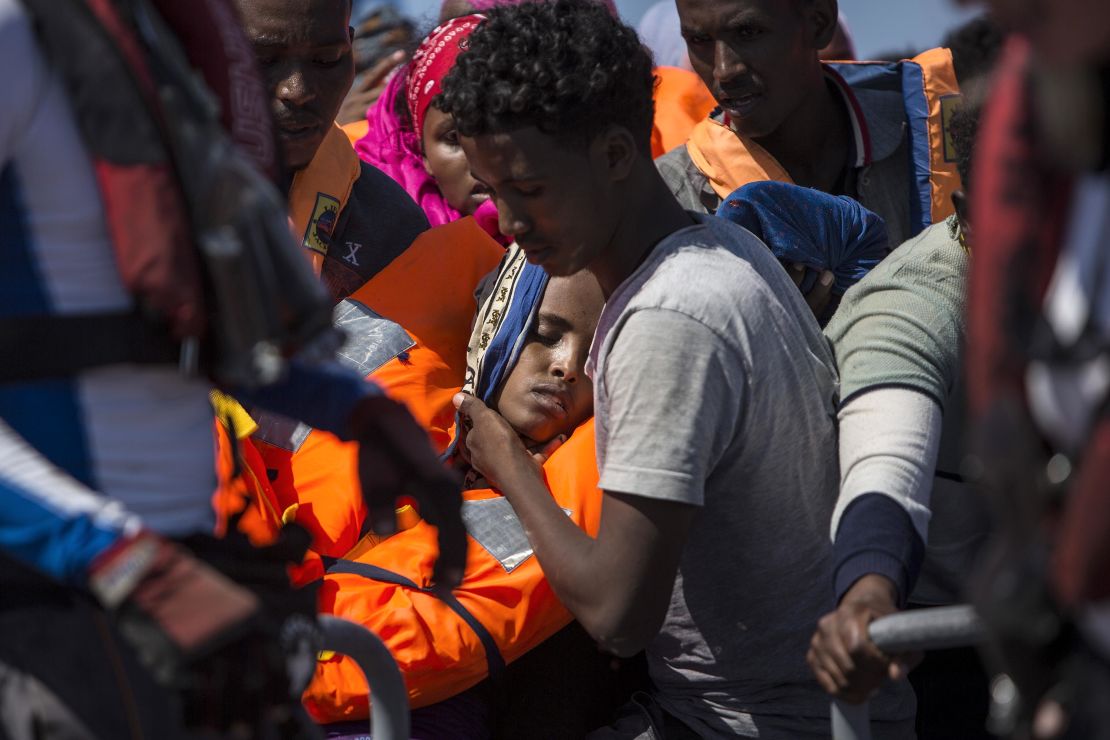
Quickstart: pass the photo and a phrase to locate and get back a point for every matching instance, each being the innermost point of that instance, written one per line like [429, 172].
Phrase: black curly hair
[567, 67]
[964, 128]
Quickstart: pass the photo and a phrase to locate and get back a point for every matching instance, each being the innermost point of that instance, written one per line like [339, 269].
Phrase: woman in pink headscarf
[414, 142]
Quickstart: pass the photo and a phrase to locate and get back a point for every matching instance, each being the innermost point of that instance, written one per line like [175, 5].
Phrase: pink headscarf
[395, 148]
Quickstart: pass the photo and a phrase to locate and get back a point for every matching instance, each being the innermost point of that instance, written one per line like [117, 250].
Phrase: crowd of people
[617, 379]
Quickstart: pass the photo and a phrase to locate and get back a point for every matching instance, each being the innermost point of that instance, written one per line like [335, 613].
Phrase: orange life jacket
[681, 102]
[408, 328]
[507, 605]
[355, 130]
[930, 91]
[503, 608]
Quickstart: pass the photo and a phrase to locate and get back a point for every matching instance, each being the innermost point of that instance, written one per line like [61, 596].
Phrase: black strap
[50, 347]
[494, 660]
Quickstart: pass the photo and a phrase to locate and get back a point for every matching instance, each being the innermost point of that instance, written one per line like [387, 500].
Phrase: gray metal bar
[389, 703]
[921, 629]
[851, 721]
[936, 628]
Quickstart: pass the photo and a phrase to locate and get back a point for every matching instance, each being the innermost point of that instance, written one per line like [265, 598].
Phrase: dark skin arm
[841, 655]
[617, 585]
[367, 89]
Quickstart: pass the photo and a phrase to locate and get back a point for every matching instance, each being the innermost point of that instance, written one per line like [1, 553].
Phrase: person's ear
[822, 17]
[615, 152]
[427, 167]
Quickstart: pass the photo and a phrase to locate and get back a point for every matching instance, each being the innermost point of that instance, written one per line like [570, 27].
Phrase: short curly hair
[567, 67]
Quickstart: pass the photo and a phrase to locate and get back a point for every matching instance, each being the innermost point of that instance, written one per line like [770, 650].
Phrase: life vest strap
[495, 661]
[61, 346]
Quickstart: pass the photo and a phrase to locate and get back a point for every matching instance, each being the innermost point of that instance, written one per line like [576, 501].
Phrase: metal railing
[389, 710]
[918, 630]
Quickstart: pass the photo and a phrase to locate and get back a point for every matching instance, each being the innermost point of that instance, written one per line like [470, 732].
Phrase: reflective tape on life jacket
[438, 649]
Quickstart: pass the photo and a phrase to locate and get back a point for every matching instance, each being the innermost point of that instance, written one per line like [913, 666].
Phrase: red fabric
[145, 211]
[106, 13]
[431, 62]
[156, 260]
[214, 41]
[1019, 212]
[143, 203]
[1081, 559]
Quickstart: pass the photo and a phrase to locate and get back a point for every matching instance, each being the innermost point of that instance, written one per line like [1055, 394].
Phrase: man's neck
[812, 143]
[651, 213]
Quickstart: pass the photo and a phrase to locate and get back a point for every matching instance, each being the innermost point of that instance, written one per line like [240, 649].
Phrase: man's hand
[492, 447]
[841, 655]
[820, 294]
[367, 89]
[395, 459]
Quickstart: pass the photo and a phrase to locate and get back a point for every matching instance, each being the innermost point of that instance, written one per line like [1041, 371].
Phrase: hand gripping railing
[912, 631]
[389, 708]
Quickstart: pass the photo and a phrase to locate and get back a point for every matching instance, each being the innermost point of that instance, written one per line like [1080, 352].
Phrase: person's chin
[473, 203]
[753, 126]
[555, 262]
[536, 434]
[298, 152]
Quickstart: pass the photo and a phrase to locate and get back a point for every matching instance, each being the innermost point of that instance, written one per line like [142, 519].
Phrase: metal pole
[389, 700]
[851, 721]
[921, 629]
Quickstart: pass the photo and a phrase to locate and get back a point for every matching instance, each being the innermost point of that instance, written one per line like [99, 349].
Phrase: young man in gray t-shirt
[714, 389]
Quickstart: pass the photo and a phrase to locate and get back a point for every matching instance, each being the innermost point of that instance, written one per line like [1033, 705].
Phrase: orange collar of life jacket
[320, 192]
[930, 93]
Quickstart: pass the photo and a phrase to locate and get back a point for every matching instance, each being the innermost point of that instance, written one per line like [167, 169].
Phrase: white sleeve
[889, 438]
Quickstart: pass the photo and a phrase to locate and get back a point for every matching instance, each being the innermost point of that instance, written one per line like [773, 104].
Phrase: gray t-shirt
[714, 387]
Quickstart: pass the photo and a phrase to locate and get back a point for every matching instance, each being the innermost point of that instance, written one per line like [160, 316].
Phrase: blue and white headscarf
[501, 329]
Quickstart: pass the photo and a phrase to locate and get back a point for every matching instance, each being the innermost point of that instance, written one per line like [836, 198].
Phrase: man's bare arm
[618, 585]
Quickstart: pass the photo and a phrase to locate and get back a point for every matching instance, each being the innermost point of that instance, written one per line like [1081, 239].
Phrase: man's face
[304, 52]
[553, 199]
[547, 393]
[756, 57]
[1064, 31]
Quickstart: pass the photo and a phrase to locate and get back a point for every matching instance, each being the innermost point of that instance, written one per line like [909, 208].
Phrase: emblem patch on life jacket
[949, 104]
[325, 215]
